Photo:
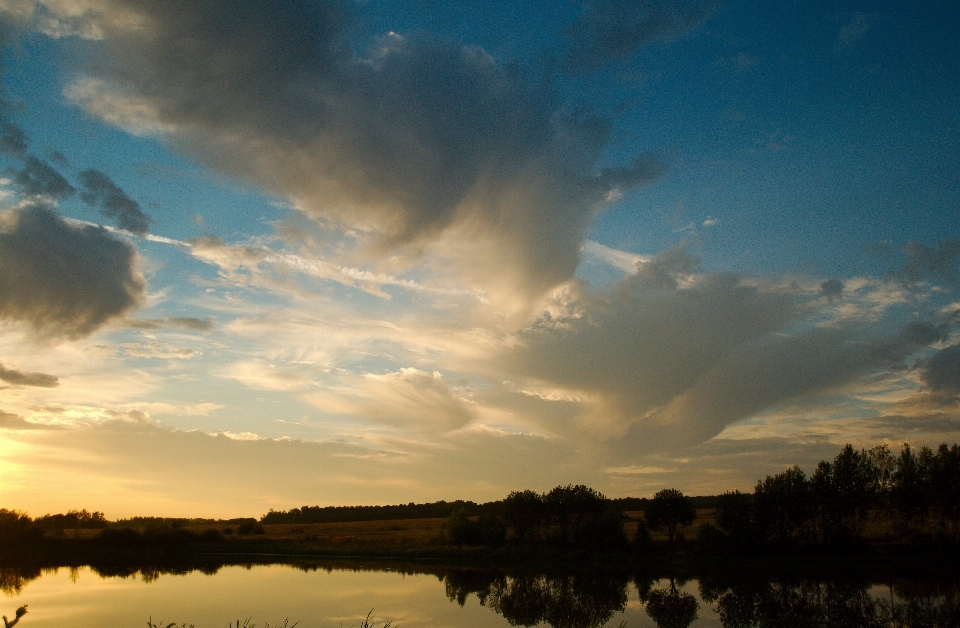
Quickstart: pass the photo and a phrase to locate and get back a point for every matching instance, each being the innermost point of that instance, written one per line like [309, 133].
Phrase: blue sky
[402, 251]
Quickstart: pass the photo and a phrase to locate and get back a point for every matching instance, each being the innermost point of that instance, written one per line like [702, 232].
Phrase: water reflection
[755, 603]
[594, 599]
[562, 601]
[669, 608]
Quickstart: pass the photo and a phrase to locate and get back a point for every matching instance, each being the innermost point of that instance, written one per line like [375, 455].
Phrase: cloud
[37, 178]
[156, 350]
[831, 288]
[408, 398]
[773, 370]
[941, 372]
[614, 30]
[939, 260]
[423, 143]
[108, 466]
[13, 140]
[9, 421]
[855, 29]
[179, 322]
[673, 356]
[623, 260]
[639, 347]
[19, 378]
[64, 280]
[99, 189]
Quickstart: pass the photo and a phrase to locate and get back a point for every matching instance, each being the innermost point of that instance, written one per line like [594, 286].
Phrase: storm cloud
[99, 190]
[62, 279]
[419, 142]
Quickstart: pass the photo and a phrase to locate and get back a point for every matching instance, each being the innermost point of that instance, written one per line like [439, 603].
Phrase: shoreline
[878, 561]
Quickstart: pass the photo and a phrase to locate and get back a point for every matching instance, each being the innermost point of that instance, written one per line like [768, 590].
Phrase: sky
[263, 255]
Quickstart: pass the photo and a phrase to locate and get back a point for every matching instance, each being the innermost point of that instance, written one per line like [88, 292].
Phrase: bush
[602, 531]
[642, 539]
[488, 530]
[250, 527]
[121, 537]
[211, 536]
[711, 538]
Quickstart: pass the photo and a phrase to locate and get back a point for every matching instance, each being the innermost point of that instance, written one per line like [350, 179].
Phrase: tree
[844, 492]
[669, 510]
[782, 506]
[569, 507]
[524, 513]
[735, 517]
[944, 481]
[908, 491]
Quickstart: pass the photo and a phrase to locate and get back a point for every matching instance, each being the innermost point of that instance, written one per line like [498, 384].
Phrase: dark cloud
[674, 356]
[614, 30]
[939, 260]
[418, 139]
[10, 421]
[13, 140]
[941, 372]
[772, 370]
[831, 288]
[181, 322]
[19, 378]
[99, 190]
[648, 342]
[38, 178]
[63, 279]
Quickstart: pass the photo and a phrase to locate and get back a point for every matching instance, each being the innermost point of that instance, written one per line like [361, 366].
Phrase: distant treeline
[440, 509]
[342, 514]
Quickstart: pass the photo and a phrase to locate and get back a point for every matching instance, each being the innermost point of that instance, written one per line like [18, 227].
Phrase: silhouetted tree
[782, 506]
[569, 507]
[525, 514]
[944, 490]
[908, 491]
[843, 493]
[668, 511]
[17, 529]
[735, 517]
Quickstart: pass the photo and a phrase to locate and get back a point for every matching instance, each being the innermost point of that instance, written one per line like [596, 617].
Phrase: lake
[335, 595]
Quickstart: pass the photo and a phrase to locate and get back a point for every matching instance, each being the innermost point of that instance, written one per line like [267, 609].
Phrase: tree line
[916, 492]
[566, 516]
[342, 514]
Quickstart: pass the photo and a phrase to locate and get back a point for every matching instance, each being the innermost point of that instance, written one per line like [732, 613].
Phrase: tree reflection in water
[590, 600]
[562, 601]
[807, 604]
[669, 608]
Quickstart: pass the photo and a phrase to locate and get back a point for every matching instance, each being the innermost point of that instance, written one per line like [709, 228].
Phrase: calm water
[334, 597]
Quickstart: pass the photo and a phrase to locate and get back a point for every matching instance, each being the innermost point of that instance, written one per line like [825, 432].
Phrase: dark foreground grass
[247, 623]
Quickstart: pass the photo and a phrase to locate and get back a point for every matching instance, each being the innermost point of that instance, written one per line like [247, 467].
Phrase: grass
[248, 624]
